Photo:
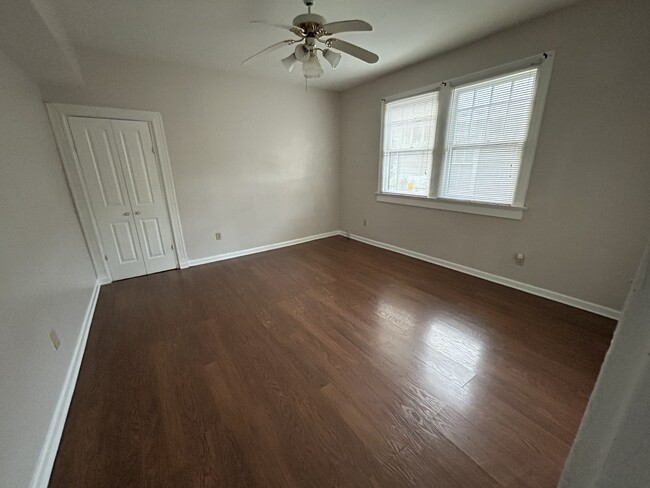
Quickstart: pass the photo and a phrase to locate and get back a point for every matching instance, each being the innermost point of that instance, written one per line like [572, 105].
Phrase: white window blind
[409, 134]
[486, 134]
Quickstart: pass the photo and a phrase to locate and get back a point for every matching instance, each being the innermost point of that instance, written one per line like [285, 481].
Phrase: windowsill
[491, 210]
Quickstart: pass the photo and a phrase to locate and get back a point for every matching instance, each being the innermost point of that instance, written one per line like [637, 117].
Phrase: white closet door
[144, 186]
[102, 171]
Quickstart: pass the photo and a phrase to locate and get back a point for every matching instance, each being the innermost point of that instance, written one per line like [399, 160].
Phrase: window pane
[484, 173]
[486, 135]
[409, 133]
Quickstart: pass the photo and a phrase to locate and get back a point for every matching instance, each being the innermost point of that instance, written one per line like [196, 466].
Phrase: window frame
[544, 62]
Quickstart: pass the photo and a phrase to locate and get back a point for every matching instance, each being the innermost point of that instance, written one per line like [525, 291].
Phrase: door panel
[136, 163]
[153, 247]
[123, 238]
[144, 186]
[101, 169]
[108, 175]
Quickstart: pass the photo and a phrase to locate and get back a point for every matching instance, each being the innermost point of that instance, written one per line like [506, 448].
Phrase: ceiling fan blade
[291, 28]
[269, 49]
[352, 50]
[281, 26]
[346, 26]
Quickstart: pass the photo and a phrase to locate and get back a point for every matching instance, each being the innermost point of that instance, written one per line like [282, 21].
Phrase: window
[409, 132]
[466, 144]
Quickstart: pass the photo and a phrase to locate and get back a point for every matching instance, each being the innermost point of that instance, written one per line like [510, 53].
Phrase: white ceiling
[217, 33]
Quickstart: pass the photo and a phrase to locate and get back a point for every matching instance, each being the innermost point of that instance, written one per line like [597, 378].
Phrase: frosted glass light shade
[332, 57]
[302, 53]
[290, 62]
[312, 68]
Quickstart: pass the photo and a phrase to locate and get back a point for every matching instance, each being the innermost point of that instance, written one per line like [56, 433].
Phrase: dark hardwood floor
[331, 363]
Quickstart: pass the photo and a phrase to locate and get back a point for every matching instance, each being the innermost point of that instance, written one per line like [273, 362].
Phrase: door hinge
[105, 257]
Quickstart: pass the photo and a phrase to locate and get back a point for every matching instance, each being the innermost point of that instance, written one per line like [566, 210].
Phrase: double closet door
[123, 182]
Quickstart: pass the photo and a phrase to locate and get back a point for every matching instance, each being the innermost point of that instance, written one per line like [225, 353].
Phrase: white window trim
[479, 208]
[514, 211]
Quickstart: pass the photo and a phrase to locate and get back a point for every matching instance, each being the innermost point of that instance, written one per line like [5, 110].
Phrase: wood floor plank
[327, 364]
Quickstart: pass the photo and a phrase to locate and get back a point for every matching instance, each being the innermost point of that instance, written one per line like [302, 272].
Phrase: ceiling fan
[310, 30]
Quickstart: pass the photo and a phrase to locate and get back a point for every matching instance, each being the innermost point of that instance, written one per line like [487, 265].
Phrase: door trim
[58, 114]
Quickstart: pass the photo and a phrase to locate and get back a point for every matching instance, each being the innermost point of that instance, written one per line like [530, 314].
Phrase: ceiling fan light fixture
[302, 53]
[308, 30]
[312, 68]
[332, 57]
[290, 62]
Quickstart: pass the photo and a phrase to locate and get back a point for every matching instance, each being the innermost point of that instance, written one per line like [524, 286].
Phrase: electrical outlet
[520, 257]
[217, 236]
[364, 222]
[55, 339]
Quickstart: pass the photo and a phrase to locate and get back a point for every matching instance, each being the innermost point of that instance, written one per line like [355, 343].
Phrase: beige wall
[589, 195]
[46, 277]
[258, 162]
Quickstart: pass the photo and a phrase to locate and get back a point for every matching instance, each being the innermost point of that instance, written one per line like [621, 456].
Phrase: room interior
[289, 318]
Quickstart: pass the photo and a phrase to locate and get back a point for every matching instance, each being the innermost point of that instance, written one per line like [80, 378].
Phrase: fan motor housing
[309, 22]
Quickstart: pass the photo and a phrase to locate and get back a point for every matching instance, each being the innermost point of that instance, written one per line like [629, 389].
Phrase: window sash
[486, 137]
[408, 139]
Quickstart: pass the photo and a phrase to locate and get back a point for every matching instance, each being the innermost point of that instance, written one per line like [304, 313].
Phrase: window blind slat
[409, 132]
[487, 130]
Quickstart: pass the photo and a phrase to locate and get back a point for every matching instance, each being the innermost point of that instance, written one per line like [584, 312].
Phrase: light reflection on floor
[448, 357]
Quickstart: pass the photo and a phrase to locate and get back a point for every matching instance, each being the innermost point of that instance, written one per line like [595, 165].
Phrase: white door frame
[59, 113]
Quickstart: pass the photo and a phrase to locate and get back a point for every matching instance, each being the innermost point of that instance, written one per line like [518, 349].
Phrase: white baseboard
[41, 476]
[518, 285]
[254, 250]
[533, 290]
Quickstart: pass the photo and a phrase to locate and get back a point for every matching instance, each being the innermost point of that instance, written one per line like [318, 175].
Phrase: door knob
[137, 212]
[126, 214]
